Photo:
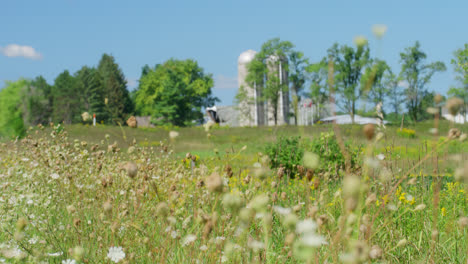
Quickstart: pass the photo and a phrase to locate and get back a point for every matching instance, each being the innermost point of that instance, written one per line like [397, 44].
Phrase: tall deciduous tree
[11, 119]
[297, 77]
[115, 90]
[373, 82]
[319, 90]
[263, 72]
[460, 64]
[348, 64]
[174, 92]
[417, 74]
[395, 93]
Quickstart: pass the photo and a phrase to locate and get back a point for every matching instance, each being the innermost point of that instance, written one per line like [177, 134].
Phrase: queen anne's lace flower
[116, 254]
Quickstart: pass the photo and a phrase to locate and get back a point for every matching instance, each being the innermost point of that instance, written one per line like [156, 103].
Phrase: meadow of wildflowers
[65, 199]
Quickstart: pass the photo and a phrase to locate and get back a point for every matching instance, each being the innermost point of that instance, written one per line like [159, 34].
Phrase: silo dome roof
[246, 56]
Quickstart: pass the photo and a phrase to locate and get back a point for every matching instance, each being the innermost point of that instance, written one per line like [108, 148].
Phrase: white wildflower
[189, 239]
[256, 245]
[306, 226]
[116, 254]
[281, 210]
[203, 248]
[313, 240]
[381, 156]
[69, 261]
[56, 254]
[54, 176]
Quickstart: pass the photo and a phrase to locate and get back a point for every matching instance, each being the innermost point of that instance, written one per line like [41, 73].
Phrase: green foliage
[348, 65]
[91, 92]
[373, 83]
[406, 133]
[331, 157]
[319, 90]
[286, 152]
[264, 68]
[174, 92]
[11, 116]
[66, 102]
[114, 88]
[417, 74]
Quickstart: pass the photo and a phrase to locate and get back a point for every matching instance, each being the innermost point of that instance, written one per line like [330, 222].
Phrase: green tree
[263, 72]
[395, 93]
[66, 102]
[373, 82]
[91, 92]
[37, 102]
[114, 87]
[11, 116]
[417, 74]
[297, 77]
[460, 64]
[174, 92]
[349, 64]
[319, 90]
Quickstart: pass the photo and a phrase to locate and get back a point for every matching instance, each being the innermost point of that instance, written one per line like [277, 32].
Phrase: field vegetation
[105, 194]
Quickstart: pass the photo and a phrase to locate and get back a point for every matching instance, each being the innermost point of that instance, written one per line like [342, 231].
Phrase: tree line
[171, 93]
[175, 91]
[354, 79]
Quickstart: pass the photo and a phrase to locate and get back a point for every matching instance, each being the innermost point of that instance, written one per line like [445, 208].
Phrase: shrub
[406, 133]
[286, 152]
[329, 151]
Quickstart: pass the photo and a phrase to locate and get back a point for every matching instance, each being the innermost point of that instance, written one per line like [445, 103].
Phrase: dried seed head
[454, 133]
[162, 209]
[438, 98]
[453, 105]
[131, 168]
[21, 223]
[379, 30]
[214, 183]
[107, 206]
[71, 209]
[402, 242]
[420, 207]
[463, 221]
[311, 160]
[369, 131]
[375, 252]
[76, 222]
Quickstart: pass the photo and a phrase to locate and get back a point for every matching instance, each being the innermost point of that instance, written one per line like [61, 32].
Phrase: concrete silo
[248, 109]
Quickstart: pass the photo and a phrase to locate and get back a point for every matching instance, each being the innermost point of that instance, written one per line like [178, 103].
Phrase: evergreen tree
[114, 87]
[66, 102]
[90, 87]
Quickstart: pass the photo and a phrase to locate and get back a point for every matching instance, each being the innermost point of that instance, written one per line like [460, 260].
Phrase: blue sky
[67, 34]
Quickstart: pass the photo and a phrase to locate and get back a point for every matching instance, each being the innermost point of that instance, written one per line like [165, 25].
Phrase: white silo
[248, 108]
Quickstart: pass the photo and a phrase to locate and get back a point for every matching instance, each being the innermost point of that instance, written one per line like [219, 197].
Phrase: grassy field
[109, 194]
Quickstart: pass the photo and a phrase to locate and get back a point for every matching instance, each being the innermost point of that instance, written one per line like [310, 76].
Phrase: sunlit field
[84, 194]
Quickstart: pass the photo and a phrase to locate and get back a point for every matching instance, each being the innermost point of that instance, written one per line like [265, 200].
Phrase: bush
[406, 133]
[329, 151]
[286, 152]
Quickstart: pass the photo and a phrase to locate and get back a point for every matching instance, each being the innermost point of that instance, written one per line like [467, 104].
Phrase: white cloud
[225, 82]
[14, 50]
